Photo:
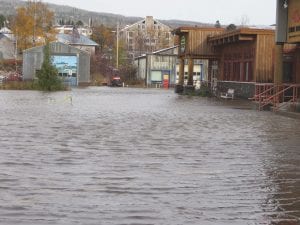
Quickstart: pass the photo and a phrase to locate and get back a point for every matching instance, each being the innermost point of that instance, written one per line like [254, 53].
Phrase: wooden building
[237, 59]
[288, 41]
[193, 45]
[246, 58]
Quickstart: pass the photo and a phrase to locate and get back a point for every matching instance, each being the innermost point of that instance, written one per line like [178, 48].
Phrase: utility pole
[117, 63]
[16, 50]
[34, 23]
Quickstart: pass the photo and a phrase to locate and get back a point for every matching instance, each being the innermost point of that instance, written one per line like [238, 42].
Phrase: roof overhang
[185, 30]
[239, 35]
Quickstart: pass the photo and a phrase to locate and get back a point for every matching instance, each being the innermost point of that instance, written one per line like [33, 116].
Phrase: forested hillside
[66, 13]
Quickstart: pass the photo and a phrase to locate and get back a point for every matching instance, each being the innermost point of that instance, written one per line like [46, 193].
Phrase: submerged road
[117, 156]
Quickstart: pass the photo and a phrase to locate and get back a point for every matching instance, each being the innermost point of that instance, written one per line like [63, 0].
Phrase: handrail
[268, 90]
[293, 97]
[275, 98]
[258, 96]
[272, 98]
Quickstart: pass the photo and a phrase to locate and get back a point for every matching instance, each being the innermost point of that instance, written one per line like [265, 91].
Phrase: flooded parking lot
[144, 156]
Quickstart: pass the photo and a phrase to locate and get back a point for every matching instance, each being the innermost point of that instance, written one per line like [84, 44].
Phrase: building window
[236, 71]
[248, 71]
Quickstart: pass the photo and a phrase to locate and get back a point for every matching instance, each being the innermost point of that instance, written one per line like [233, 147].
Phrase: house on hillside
[78, 40]
[68, 29]
[7, 32]
[146, 36]
[7, 48]
[72, 63]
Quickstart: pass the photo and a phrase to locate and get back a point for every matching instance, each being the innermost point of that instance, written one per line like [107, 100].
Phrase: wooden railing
[276, 96]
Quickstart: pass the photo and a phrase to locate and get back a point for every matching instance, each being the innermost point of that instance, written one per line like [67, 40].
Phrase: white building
[68, 29]
[146, 36]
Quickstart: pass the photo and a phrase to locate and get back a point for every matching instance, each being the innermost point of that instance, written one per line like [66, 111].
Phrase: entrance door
[166, 79]
[288, 72]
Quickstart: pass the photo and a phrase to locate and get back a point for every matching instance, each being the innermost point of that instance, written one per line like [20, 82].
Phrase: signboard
[281, 21]
[66, 65]
[293, 21]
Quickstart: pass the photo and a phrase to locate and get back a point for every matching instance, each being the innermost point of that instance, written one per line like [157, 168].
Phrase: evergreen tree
[48, 79]
[231, 27]
[79, 23]
[217, 24]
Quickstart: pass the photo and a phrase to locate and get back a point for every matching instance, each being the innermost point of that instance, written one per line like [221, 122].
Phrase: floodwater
[119, 156]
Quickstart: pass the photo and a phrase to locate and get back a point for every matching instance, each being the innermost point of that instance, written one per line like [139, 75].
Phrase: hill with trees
[66, 13]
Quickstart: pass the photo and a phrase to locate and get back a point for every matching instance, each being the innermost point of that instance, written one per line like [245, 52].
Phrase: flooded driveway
[117, 156]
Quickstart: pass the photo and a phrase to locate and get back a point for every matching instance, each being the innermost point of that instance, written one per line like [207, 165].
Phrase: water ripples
[144, 156]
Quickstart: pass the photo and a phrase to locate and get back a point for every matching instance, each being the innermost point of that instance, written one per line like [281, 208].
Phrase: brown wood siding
[297, 66]
[197, 45]
[263, 68]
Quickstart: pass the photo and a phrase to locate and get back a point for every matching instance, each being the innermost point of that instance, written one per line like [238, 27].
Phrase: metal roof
[78, 39]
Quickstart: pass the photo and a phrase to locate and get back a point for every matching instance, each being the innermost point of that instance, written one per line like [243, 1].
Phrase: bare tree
[244, 20]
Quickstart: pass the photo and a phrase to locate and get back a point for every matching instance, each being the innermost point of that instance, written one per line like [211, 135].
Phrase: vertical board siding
[264, 58]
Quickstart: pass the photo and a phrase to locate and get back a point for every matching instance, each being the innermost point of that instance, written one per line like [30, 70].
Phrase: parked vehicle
[116, 82]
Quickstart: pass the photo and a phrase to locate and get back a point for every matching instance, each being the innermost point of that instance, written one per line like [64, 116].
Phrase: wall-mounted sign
[293, 21]
[182, 44]
[65, 64]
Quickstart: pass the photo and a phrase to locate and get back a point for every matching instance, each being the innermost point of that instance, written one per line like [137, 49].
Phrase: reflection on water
[144, 156]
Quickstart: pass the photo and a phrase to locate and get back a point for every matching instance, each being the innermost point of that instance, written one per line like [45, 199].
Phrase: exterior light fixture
[285, 4]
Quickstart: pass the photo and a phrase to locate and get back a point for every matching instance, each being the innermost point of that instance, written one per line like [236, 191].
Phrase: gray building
[157, 66]
[72, 63]
[79, 41]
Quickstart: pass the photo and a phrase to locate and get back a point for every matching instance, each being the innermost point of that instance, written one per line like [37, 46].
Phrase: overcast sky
[254, 12]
